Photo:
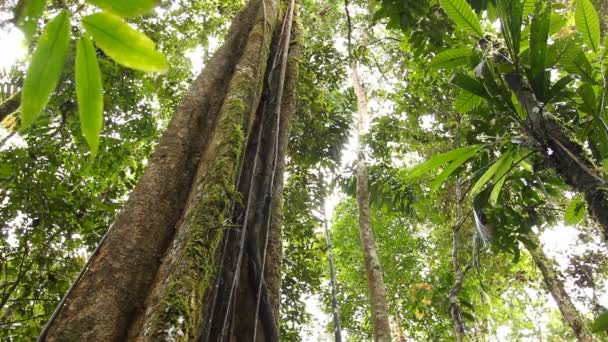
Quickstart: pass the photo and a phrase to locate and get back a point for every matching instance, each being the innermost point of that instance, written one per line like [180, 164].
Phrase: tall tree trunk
[562, 152]
[555, 286]
[375, 278]
[152, 276]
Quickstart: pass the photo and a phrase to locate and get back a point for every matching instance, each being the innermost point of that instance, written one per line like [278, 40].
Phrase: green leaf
[467, 83]
[575, 62]
[466, 101]
[123, 44]
[28, 12]
[601, 323]
[588, 23]
[45, 68]
[575, 211]
[539, 33]
[452, 167]
[453, 58]
[89, 92]
[125, 8]
[462, 15]
[485, 178]
[438, 160]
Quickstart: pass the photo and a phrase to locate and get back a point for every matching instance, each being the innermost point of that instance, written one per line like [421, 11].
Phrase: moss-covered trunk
[153, 275]
[555, 285]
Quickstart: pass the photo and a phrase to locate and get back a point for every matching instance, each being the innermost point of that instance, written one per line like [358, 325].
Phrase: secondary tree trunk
[562, 153]
[375, 277]
[153, 275]
[555, 286]
[332, 272]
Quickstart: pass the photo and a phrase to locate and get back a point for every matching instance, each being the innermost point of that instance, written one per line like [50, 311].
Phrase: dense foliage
[488, 142]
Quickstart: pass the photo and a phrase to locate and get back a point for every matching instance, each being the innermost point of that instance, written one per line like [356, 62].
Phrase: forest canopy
[304, 170]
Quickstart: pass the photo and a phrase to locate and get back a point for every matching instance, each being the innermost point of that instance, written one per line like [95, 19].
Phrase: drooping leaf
[45, 68]
[466, 101]
[452, 167]
[27, 16]
[587, 93]
[496, 191]
[453, 58]
[575, 62]
[467, 83]
[511, 13]
[463, 16]
[601, 323]
[588, 23]
[575, 211]
[489, 174]
[89, 92]
[124, 8]
[539, 33]
[438, 160]
[529, 7]
[124, 44]
[558, 87]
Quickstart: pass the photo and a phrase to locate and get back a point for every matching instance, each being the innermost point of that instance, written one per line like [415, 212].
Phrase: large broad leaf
[575, 211]
[466, 101]
[587, 93]
[453, 58]
[125, 8]
[588, 23]
[123, 44]
[470, 84]
[539, 33]
[500, 177]
[438, 160]
[89, 93]
[489, 174]
[601, 323]
[28, 12]
[452, 167]
[45, 68]
[463, 16]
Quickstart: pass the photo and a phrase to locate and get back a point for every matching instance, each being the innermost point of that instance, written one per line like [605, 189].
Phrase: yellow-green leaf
[575, 211]
[89, 92]
[124, 44]
[492, 170]
[466, 101]
[45, 68]
[125, 8]
[588, 23]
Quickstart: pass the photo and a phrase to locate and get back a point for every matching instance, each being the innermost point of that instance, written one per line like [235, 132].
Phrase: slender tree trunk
[562, 153]
[332, 273]
[555, 286]
[459, 272]
[375, 277]
[153, 276]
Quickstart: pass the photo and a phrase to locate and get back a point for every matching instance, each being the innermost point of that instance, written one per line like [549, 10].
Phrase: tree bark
[375, 277]
[562, 152]
[153, 275]
[555, 286]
